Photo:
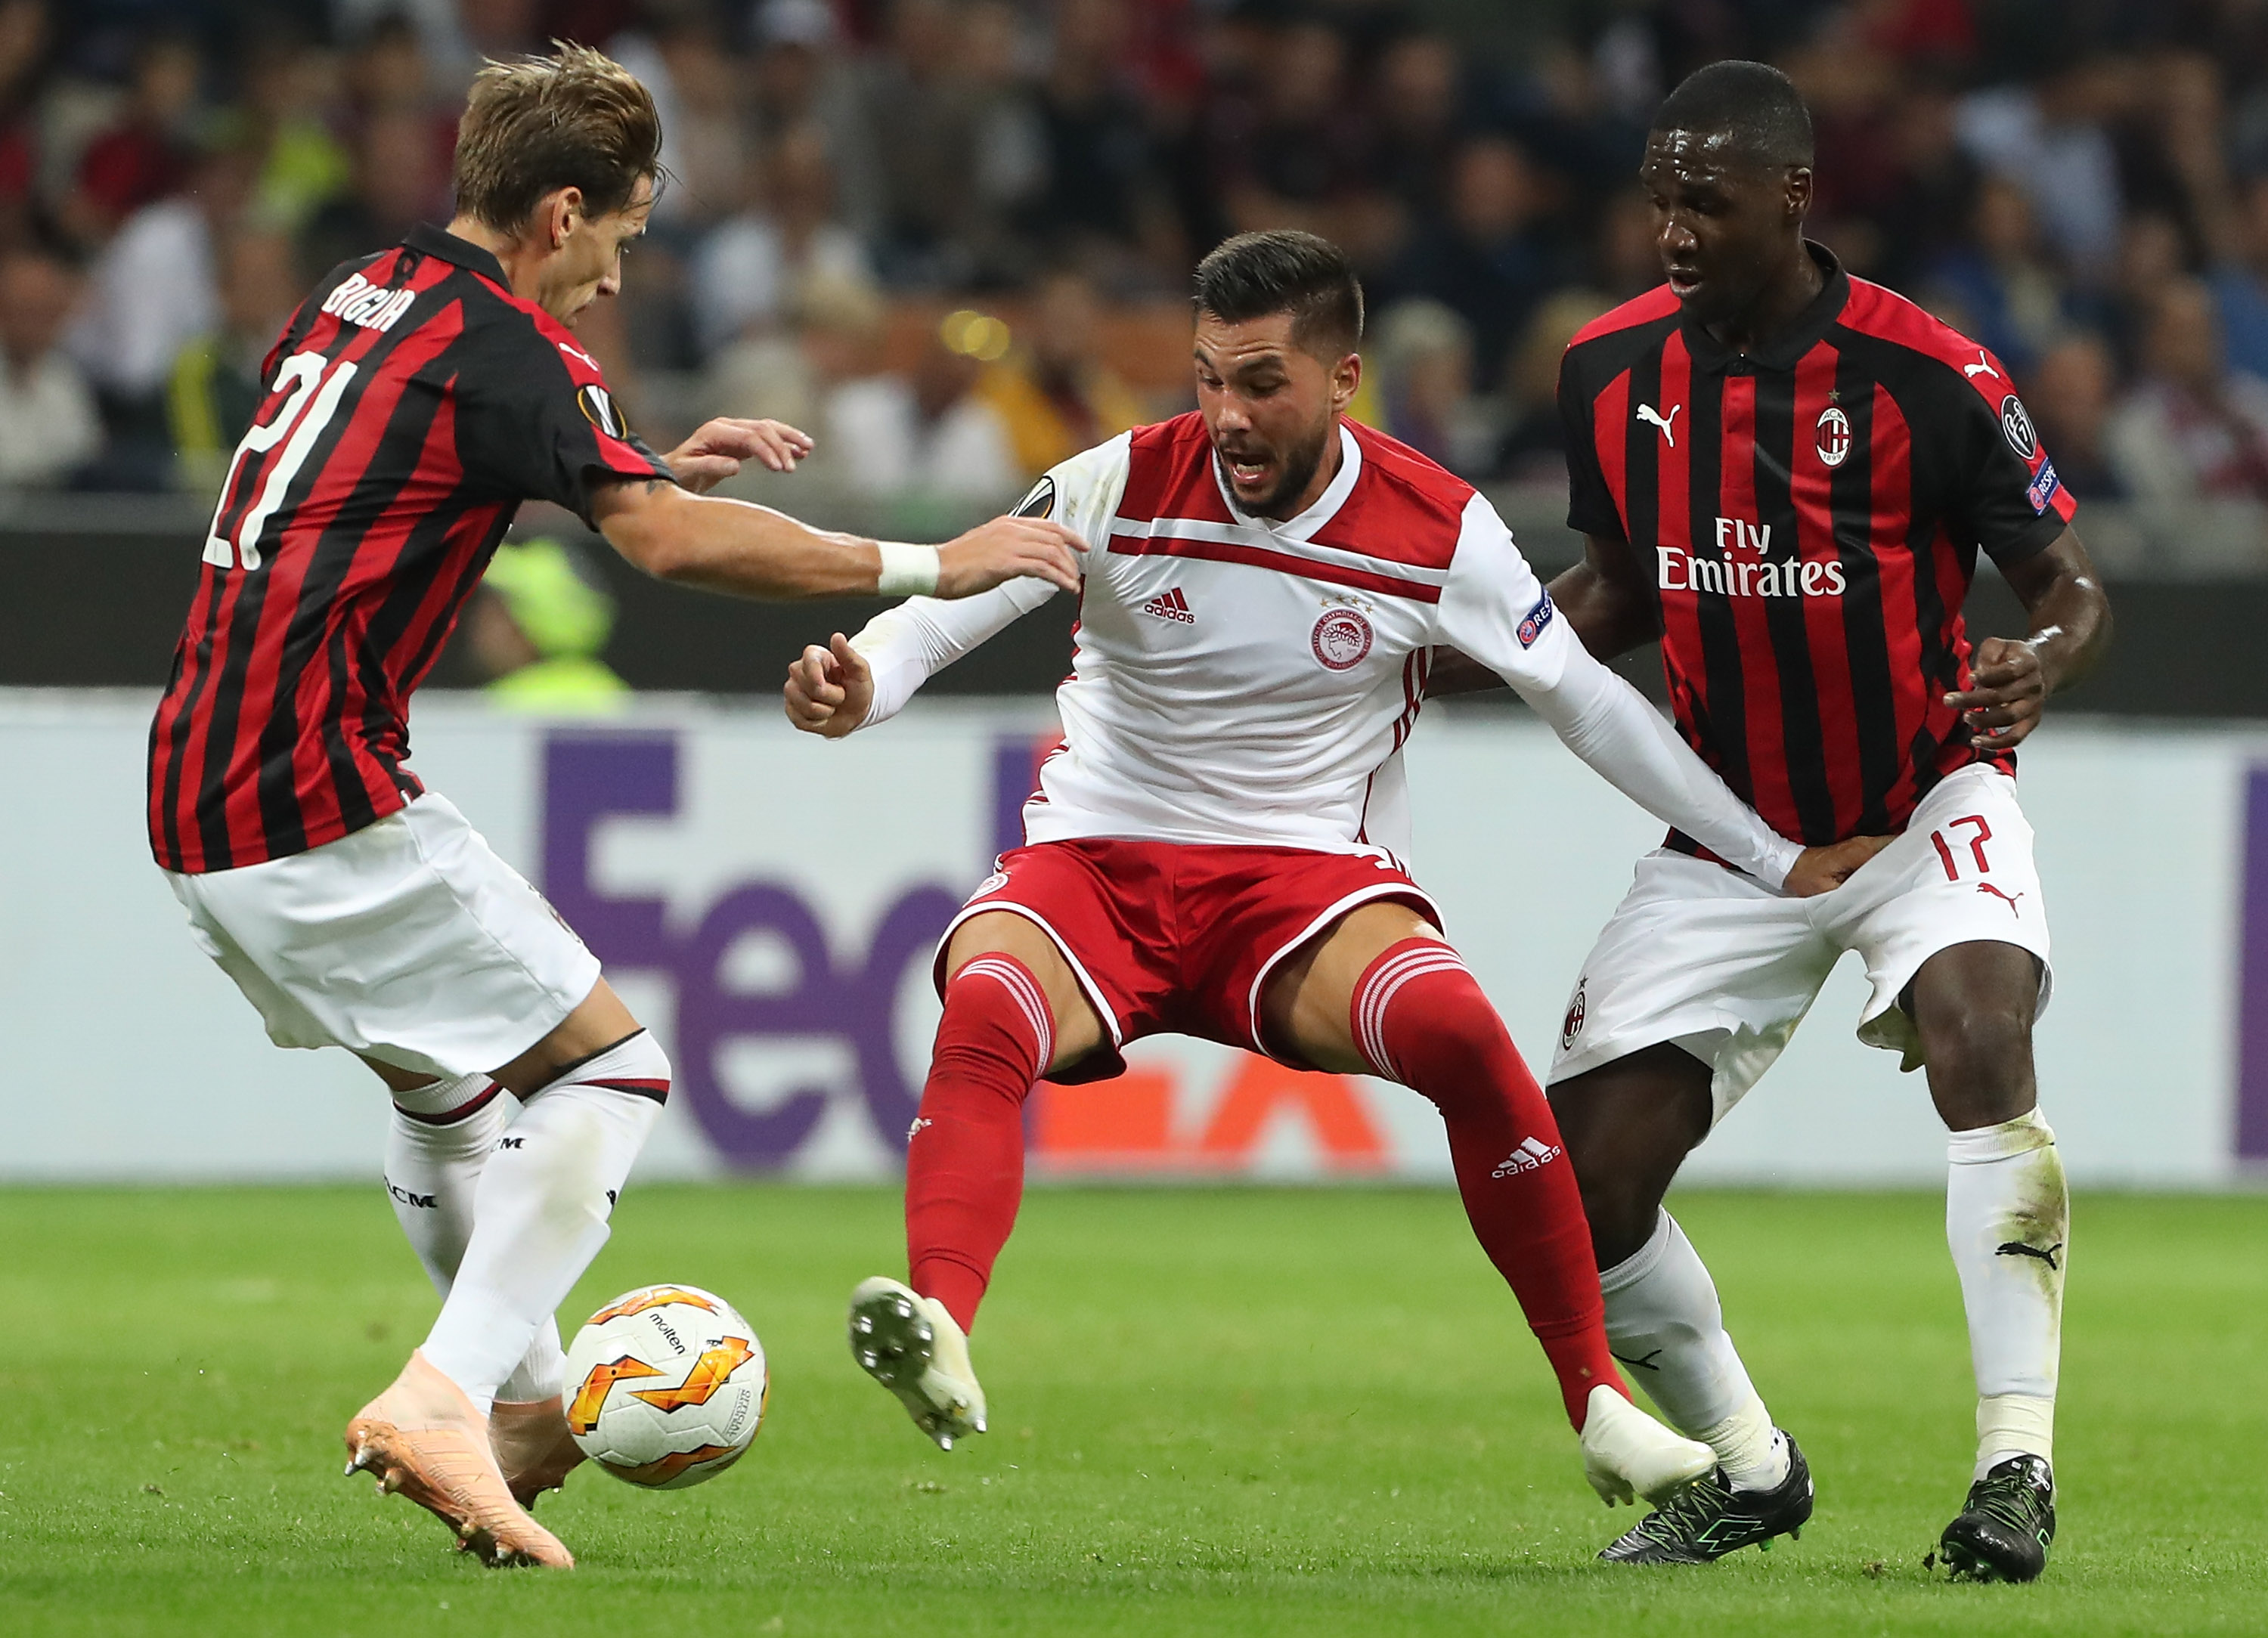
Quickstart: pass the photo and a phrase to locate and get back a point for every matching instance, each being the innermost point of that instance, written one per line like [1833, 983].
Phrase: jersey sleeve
[908, 645]
[2007, 498]
[1591, 508]
[1495, 610]
[536, 419]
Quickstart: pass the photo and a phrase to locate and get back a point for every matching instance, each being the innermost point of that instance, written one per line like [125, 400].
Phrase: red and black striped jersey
[1808, 515]
[412, 404]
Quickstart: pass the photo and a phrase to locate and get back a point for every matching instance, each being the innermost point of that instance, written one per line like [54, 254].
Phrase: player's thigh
[409, 943]
[1957, 895]
[1078, 1030]
[1700, 959]
[1306, 1009]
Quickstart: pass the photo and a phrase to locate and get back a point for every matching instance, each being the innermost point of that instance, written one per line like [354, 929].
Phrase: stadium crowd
[950, 236]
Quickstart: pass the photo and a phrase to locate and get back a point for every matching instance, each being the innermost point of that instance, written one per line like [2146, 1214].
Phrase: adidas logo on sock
[1171, 606]
[1526, 1158]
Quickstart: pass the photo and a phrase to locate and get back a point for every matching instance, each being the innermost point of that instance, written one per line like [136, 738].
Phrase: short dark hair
[1255, 275]
[575, 118]
[1755, 102]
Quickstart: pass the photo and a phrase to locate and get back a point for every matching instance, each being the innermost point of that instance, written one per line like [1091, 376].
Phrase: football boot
[1713, 1519]
[2003, 1533]
[911, 1346]
[533, 1449]
[424, 1439]
[1627, 1453]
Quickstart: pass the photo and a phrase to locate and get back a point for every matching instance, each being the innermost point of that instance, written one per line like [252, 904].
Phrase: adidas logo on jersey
[1529, 1156]
[1171, 606]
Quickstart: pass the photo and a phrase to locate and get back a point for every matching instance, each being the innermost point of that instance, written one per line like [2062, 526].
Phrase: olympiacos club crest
[1341, 638]
[1834, 436]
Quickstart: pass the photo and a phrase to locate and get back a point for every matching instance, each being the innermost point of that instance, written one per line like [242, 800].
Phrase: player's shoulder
[1169, 472]
[1622, 334]
[513, 335]
[1078, 480]
[1933, 355]
[1404, 505]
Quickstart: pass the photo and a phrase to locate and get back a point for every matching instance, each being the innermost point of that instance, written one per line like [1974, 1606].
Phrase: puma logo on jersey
[1653, 417]
[1983, 366]
[1530, 1156]
[577, 352]
[372, 306]
[2009, 899]
[1171, 606]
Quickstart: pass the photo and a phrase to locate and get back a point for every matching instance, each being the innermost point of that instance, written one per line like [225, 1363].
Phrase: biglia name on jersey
[1732, 573]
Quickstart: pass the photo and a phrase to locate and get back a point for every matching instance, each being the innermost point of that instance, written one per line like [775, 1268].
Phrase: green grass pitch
[1223, 1411]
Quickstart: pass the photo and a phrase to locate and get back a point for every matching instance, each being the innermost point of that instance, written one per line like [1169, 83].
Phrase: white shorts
[409, 942]
[1727, 968]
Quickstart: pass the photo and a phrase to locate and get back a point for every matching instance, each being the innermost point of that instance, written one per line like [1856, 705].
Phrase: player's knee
[1979, 1054]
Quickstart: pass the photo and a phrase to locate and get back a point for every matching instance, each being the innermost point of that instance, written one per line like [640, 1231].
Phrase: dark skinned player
[1784, 476]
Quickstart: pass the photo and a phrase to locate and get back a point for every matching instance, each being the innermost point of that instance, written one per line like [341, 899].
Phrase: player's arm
[752, 551]
[856, 682]
[1494, 609]
[1605, 599]
[2011, 677]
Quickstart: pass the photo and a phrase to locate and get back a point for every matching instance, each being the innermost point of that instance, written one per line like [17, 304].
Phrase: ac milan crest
[1834, 430]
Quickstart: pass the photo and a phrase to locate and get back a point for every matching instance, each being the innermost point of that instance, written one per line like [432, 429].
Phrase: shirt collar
[433, 241]
[1811, 325]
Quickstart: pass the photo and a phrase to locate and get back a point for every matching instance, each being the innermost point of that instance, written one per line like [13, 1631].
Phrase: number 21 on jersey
[305, 377]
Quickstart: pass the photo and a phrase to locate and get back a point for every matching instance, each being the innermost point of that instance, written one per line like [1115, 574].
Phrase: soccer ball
[666, 1386]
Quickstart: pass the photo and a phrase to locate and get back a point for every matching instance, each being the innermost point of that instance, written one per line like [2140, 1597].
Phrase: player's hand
[2010, 689]
[829, 690]
[716, 452]
[1822, 869]
[1008, 548]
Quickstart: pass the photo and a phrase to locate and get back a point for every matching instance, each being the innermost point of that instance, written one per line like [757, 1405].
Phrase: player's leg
[2007, 1216]
[1380, 992]
[1013, 1010]
[1952, 922]
[1692, 990]
[441, 1135]
[591, 1090]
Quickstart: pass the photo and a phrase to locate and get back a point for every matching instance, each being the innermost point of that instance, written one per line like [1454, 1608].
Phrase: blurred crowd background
[951, 238]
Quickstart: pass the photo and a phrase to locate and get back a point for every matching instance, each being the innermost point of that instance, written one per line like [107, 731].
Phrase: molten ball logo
[1342, 639]
[1834, 436]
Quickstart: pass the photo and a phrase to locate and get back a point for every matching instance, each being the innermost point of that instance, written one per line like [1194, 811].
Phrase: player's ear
[1798, 192]
[1346, 380]
[562, 211]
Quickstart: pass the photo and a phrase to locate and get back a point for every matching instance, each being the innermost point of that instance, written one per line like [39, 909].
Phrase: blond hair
[575, 118]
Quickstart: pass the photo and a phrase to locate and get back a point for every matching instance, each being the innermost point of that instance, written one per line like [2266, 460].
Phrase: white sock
[2007, 1218]
[1665, 1325]
[542, 1210]
[440, 1138]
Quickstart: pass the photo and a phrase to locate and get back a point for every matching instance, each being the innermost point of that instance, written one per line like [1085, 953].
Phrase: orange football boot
[532, 1447]
[423, 1438]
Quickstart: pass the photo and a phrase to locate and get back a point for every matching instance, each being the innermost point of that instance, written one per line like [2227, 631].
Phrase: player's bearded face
[1271, 409]
[1721, 220]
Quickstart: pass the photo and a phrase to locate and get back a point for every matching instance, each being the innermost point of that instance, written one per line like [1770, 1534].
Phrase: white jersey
[1243, 681]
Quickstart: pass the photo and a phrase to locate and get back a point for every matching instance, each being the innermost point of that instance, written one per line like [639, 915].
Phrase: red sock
[1420, 1018]
[965, 1163]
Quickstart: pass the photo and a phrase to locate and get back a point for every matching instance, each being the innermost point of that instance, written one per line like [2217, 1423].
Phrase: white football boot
[910, 1344]
[1626, 1451]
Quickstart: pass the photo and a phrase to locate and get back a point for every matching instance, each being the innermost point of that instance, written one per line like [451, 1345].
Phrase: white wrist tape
[906, 571]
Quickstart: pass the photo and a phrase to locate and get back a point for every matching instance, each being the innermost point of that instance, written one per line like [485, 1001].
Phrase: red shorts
[1177, 937]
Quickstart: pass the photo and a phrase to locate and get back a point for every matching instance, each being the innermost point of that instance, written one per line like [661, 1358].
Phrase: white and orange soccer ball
[666, 1386]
